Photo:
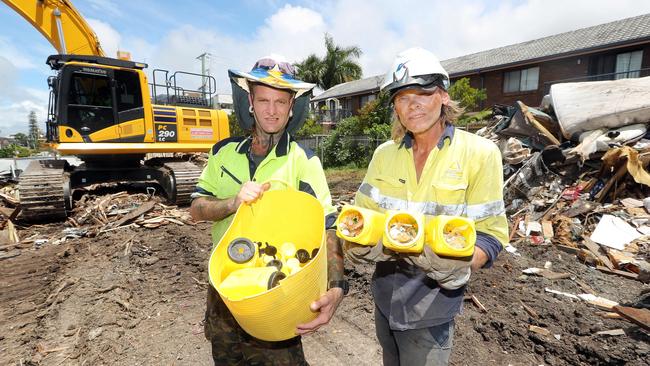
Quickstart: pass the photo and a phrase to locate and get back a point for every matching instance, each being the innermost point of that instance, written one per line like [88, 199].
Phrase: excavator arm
[61, 24]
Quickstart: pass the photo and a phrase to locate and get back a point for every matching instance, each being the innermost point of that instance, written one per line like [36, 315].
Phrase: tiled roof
[351, 88]
[599, 36]
[621, 32]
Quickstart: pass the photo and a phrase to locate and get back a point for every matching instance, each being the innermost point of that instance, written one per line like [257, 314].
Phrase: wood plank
[594, 248]
[144, 208]
[640, 317]
[632, 276]
[613, 332]
[539, 330]
[529, 310]
[586, 288]
[547, 229]
[554, 275]
[568, 249]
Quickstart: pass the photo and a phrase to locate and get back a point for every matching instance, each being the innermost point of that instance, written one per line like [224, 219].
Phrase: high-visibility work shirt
[230, 166]
[463, 176]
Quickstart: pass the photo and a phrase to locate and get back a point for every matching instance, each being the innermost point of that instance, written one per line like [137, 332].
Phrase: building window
[521, 80]
[347, 104]
[367, 98]
[628, 64]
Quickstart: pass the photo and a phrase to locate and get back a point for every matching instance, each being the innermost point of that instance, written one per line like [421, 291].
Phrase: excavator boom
[61, 24]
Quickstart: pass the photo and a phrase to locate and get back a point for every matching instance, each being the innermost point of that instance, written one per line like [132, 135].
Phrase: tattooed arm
[212, 208]
[215, 209]
[335, 270]
[326, 305]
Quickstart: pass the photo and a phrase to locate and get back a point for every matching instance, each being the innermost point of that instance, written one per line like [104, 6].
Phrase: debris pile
[91, 217]
[575, 175]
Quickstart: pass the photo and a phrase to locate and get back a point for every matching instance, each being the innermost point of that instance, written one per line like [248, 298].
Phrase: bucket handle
[269, 181]
[278, 180]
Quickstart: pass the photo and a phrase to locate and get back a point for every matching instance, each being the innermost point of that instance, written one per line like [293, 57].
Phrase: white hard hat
[415, 68]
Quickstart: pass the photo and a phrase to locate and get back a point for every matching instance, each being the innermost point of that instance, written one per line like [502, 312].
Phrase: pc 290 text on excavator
[101, 110]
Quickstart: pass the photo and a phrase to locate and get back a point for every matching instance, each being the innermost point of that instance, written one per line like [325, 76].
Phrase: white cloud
[109, 38]
[380, 28]
[15, 115]
[384, 28]
[292, 31]
[105, 6]
[16, 57]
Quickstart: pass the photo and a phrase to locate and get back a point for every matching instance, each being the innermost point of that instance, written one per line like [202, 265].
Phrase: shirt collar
[448, 133]
[281, 148]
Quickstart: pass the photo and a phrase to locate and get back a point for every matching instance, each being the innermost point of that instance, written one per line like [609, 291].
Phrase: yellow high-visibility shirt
[463, 178]
[229, 166]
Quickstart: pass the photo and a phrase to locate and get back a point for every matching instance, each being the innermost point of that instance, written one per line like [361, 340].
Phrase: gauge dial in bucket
[241, 250]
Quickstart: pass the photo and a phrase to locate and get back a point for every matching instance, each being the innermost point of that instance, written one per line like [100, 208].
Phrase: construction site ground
[93, 301]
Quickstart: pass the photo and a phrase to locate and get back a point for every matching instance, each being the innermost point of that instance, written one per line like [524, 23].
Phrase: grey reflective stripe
[427, 208]
[475, 212]
[485, 210]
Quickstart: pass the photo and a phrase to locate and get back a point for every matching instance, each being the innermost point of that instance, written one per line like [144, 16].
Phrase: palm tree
[338, 66]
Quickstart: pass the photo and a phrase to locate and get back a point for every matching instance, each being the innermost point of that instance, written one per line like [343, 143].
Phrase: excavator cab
[95, 99]
[101, 111]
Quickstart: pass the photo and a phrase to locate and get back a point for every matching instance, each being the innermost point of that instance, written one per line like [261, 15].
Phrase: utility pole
[204, 71]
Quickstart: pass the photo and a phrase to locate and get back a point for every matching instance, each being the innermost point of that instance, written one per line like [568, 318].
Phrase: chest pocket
[450, 198]
[229, 182]
[393, 192]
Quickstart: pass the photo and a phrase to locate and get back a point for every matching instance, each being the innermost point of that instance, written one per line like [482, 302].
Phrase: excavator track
[186, 175]
[44, 192]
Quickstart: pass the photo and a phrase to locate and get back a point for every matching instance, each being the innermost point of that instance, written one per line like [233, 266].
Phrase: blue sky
[171, 34]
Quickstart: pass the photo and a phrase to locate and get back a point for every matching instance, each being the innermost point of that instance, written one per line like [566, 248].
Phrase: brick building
[525, 71]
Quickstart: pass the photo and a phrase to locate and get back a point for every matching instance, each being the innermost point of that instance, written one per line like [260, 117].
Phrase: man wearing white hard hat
[270, 104]
[431, 167]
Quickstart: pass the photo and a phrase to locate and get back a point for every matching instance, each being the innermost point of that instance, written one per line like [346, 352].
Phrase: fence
[331, 116]
[356, 149]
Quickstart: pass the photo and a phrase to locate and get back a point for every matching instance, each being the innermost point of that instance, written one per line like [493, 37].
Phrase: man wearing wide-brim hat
[270, 105]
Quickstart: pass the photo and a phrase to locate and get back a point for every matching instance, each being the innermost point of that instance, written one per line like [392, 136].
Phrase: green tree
[233, 125]
[355, 138]
[14, 151]
[339, 65]
[33, 131]
[21, 139]
[311, 127]
[376, 112]
[468, 97]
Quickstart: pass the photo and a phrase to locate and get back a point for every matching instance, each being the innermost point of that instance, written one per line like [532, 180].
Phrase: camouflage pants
[231, 345]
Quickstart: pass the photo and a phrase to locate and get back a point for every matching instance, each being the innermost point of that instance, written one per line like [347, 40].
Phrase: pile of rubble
[575, 175]
[92, 216]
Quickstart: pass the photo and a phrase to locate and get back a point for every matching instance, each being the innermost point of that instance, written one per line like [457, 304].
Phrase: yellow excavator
[101, 110]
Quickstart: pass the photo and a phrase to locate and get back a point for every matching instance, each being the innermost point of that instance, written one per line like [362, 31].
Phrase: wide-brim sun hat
[273, 71]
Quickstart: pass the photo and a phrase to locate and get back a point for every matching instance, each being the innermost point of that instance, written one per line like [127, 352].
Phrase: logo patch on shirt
[454, 171]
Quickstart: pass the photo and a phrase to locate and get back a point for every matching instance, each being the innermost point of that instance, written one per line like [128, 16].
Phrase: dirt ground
[91, 301]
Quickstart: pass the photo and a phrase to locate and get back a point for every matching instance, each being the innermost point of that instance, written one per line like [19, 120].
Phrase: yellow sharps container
[404, 231]
[369, 223]
[451, 236]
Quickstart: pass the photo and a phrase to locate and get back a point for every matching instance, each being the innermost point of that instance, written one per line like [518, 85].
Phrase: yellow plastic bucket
[372, 229]
[438, 226]
[403, 217]
[279, 216]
